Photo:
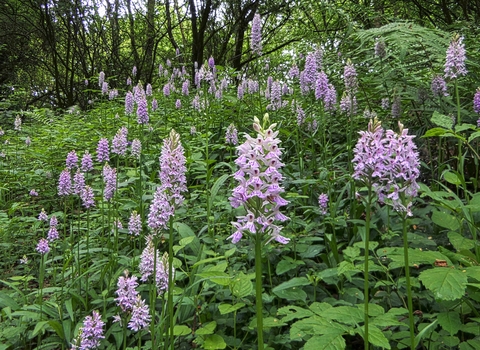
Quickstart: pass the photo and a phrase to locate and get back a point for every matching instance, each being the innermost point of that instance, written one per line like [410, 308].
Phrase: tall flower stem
[258, 289]
[366, 285]
[153, 292]
[409, 289]
[140, 193]
[170, 283]
[459, 121]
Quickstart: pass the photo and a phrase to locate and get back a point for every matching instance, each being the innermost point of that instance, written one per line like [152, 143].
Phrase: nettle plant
[143, 224]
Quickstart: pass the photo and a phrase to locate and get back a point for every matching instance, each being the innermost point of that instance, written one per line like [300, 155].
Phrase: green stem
[170, 283]
[367, 255]
[258, 288]
[459, 122]
[409, 289]
[153, 292]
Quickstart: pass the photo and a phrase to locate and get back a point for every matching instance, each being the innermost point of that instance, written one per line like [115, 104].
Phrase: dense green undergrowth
[313, 287]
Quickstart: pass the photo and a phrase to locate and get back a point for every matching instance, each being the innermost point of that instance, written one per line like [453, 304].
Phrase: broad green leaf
[185, 231]
[294, 293]
[181, 330]
[7, 300]
[474, 136]
[207, 328]
[208, 260]
[284, 266]
[291, 290]
[230, 252]
[216, 187]
[463, 127]
[452, 178]
[345, 314]
[473, 272]
[186, 241]
[227, 308]
[375, 337]
[57, 326]
[375, 310]
[241, 286]
[332, 341]
[315, 325]
[386, 320]
[451, 342]
[294, 282]
[445, 283]
[269, 322]
[320, 308]
[459, 242]
[442, 120]
[217, 277]
[40, 326]
[287, 264]
[293, 312]
[445, 220]
[69, 307]
[434, 132]
[450, 321]
[214, 342]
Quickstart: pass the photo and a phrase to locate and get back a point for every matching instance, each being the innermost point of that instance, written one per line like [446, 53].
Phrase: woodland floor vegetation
[318, 195]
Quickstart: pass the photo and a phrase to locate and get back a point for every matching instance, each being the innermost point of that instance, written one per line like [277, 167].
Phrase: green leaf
[185, 231]
[375, 337]
[7, 300]
[459, 242]
[463, 127]
[345, 314]
[269, 322]
[287, 264]
[425, 331]
[442, 120]
[320, 308]
[40, 326]
[474, 136]
[207, 328]
[332, 341]
[69, 307]
[183, 243]
[294, 282]
[445, 283]
[216, 187]
[57, 327]
[241, 286]
[291, 290]
[315, 325]
[217, 277]
[434, 132]
[473, 272]
[208, 260]
[214, 342]
[445, 220]
[227, 308]
[181, 330]
[452, 178]
[293, 312]
[450, 321]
